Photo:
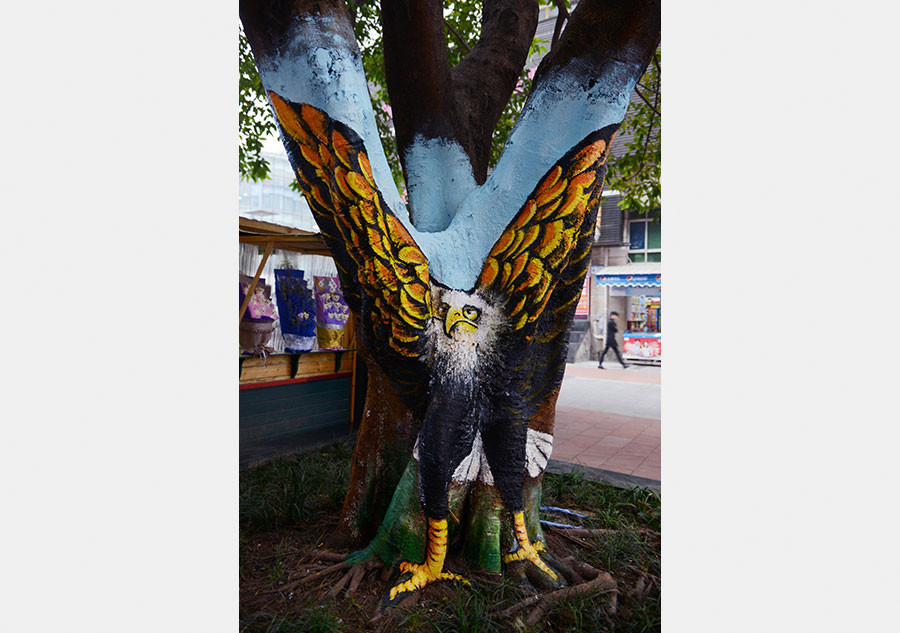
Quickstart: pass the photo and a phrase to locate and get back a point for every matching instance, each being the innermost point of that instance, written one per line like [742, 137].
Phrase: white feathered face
[464, 326]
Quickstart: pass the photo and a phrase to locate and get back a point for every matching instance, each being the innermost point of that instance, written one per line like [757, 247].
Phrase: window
[644, 240]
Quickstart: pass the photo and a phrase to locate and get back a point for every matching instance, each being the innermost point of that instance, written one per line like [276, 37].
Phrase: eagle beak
[455, 317]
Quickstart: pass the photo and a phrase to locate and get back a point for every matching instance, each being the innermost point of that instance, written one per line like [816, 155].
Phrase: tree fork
[312, 70]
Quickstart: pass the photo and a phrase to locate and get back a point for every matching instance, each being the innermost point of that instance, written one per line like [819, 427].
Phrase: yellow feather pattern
[338, 182]
[535, 249]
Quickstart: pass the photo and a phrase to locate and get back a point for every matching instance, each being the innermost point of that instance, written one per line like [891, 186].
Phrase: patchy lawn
[288, 508]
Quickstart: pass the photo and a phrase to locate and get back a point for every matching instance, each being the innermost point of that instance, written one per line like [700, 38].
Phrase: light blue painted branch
[321, 65]
[457, 222]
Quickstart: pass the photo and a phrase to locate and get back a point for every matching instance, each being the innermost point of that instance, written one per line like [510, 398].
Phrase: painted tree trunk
[465, 299]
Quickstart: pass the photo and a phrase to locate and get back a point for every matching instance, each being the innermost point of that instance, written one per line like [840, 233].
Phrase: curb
[618, 480]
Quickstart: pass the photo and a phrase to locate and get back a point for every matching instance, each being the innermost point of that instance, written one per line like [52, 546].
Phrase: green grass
[304, 488]
[467, 611]
[318, 618]
[612, 508]
[296, 489]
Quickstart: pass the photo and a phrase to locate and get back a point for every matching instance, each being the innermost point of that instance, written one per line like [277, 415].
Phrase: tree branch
[581, 87]
[459, 38]
[644, 99]
[485, 78]
[417, 69]
[561, 16]
[601, 33]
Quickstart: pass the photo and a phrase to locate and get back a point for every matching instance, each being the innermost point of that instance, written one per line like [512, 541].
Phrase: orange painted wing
[544, 248]
[385, 272]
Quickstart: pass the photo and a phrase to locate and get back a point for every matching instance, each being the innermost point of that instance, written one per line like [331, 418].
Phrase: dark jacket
[611, 330]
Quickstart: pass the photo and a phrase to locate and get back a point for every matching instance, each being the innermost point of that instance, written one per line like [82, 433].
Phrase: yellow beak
[455, 317]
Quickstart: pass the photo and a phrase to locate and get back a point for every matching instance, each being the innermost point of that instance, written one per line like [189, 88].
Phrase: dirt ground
[277, 561]
[290, 582]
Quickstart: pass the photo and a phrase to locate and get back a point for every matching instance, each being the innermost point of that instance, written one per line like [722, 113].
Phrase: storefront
[300, 390]
[637, 288]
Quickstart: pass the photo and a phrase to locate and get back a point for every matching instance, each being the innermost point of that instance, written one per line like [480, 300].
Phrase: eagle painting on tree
[464, 297]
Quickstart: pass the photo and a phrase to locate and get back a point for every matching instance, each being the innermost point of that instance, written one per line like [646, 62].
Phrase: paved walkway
[610, 419]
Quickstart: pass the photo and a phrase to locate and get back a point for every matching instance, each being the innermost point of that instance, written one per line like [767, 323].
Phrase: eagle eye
[471, 313]
[442, 310]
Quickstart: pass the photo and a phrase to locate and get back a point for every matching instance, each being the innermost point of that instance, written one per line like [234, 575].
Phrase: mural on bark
[464, 300]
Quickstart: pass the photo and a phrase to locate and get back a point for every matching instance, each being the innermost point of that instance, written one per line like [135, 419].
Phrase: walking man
[611, 343]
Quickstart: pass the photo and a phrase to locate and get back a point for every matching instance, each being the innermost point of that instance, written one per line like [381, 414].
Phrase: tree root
[644, 585]
[603, 583]
[340, 584]
[358, 573]
[353, 576]
[311, 577]
[568, 535]
[334, 557]
[407, 603]
[599, 581]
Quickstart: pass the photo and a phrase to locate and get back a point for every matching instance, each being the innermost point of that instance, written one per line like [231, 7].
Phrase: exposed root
[316, 576]
[340, 584]
[406, 603]
[568, 535]
[587, 572]
[595, 580]
[603, 583]
[540, 579]
[334, 557]
[358, 573]
[645, 584]
[564, 569]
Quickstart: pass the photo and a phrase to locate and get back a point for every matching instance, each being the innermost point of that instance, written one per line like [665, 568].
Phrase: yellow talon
[526, 550]
[432, 569]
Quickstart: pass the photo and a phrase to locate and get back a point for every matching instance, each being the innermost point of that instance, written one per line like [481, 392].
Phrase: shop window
[644, 241]
[637, 236]
[654, 235]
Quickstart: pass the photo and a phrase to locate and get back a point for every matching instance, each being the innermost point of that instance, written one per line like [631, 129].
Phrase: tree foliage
[635, 174]
[255, 121]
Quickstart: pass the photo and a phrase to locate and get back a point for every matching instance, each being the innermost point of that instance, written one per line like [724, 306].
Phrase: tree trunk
[464, 300]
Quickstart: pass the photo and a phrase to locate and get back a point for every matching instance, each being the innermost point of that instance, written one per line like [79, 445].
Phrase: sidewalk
[610, 419]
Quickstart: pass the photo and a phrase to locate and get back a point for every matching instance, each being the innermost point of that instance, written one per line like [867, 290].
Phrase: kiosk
[640, 284]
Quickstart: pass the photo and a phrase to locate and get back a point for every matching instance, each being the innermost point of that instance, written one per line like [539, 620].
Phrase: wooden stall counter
[293, 402]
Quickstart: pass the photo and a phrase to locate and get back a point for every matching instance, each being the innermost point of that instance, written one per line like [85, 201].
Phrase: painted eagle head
[465, 327]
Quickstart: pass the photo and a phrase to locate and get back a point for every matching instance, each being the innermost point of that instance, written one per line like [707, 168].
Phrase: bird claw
[528, 551]
[421, 575]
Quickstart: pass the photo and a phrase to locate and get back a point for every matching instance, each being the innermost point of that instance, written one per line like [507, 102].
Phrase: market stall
[640, 285]
[304, 393]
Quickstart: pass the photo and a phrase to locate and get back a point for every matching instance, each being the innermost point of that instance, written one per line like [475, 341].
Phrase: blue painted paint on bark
[455, 222]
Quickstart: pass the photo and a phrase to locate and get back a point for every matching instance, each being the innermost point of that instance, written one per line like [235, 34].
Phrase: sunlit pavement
[610, 419]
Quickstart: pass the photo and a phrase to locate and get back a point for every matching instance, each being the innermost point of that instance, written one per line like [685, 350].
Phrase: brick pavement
[609, 441]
